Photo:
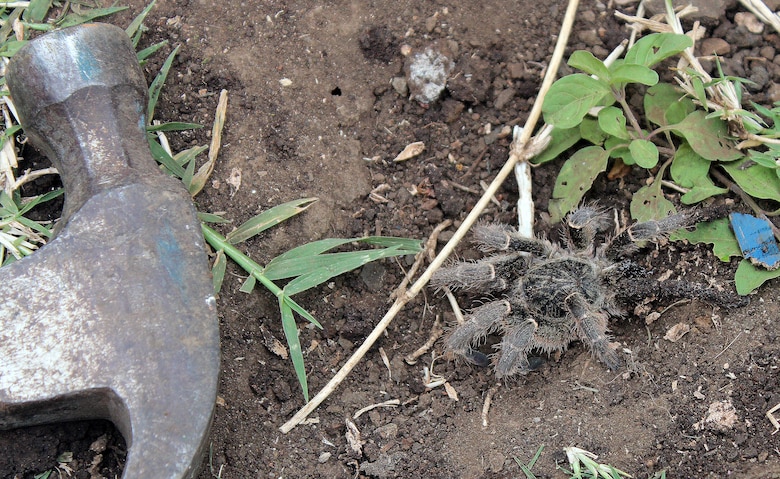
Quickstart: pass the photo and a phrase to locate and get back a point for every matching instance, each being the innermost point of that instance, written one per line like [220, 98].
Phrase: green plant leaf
[707, 136]
[73, 19]
[757, 181]
[267, 219]
[632, 73]
[249, 284]
[613, 122]
[316, 247]
[618, 148]
[149, 51]
[656, 47]
[218, 271]
[294, 343]
[560, 141]
[157, 84]
[164, 158]
[570, 99]
[748, 277]
[211, 218]
[585, 61]
[335, 264]
[9, 48]
[690, 170]
[575, 179]
[665, 104]
[591, 131]
[134, 29]
[644, 152]
[173, 126]
[718, 233]
[649, 203]
[36, 11]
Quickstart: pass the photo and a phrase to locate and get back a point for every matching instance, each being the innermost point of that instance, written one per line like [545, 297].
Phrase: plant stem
[620, 96]
[218, 242]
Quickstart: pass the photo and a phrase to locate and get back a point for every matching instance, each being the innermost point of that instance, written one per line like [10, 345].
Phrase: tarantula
[555, 294]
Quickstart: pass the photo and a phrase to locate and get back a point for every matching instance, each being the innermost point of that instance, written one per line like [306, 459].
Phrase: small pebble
[716, 46]
[749, 21]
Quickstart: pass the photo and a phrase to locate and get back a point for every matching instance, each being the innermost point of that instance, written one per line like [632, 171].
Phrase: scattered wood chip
[451, 392]
[698, 394]
[652, 317]
[273, 344]
[234, 180]
[386, 360]
[721, 416]
[389, 403]
[354, 441]
[676, 332]
[770, 415]
[411, 150]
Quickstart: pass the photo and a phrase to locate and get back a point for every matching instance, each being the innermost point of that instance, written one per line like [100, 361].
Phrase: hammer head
[115, 318]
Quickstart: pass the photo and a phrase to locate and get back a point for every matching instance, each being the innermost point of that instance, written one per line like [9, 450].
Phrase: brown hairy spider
[554, 294]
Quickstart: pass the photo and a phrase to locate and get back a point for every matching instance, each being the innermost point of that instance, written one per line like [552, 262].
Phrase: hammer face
[115, 318]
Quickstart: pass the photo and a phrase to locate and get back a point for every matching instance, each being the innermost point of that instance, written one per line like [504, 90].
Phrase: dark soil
[332, 133]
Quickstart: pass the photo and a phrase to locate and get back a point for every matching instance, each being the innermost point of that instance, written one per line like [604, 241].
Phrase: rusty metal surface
[115, 318]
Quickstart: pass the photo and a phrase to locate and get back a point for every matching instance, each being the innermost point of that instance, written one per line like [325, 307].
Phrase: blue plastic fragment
[756, 240]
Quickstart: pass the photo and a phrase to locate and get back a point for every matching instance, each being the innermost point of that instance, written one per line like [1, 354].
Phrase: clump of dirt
[331, 130]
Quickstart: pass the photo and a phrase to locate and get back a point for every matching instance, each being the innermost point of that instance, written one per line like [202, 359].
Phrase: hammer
[115, 318]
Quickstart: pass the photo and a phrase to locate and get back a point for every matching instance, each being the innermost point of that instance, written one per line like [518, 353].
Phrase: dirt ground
[332, 132]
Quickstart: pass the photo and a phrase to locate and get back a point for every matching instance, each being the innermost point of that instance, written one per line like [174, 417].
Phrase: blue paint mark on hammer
[172, 257]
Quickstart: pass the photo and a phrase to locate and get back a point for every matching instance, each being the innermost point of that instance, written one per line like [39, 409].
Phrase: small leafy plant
[583, 465]
[673, 136]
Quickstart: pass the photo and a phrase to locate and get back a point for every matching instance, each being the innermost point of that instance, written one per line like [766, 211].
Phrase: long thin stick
[518, 152]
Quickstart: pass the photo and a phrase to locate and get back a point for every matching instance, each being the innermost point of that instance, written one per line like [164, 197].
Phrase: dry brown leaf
[676, 332]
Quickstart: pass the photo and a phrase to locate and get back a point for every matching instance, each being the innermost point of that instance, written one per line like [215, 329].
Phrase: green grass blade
[347, 262]
[41, 199]
[211, 218]
[218, 271]
[165, 159]
[149, 51]
[269, 218]
[174, 126]
[294, 343]
[135, 25]
[36, 11]
[295, 265]
[314, 248]
[73, 19]
[300, 310]
[249, 284]
[157, 84]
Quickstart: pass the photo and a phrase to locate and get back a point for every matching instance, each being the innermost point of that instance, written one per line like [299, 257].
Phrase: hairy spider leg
[488, 274]
[591, 327]
[583, 224]
[497, 237]
[482, 321]
[624, 243]
[517, 343]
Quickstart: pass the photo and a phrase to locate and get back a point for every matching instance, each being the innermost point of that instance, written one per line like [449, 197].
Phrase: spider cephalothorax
[554, 294]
